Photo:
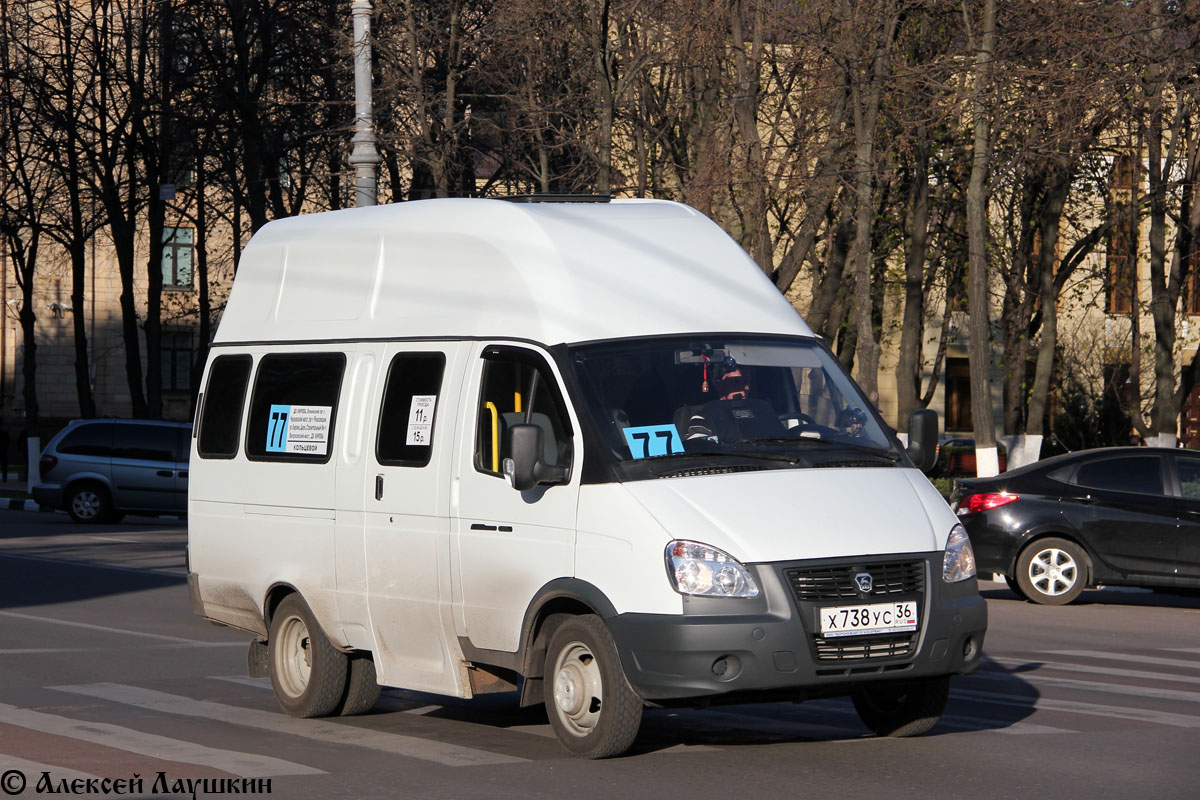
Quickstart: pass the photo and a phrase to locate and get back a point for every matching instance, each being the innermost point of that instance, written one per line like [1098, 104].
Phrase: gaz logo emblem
[865, 582]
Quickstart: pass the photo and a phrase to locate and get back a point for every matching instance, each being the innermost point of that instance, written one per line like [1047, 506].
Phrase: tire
[1052, 572]
[362, 690]
[89, 502]
[592, 708]
[1015, 587]
[308, 674]
[904, 709]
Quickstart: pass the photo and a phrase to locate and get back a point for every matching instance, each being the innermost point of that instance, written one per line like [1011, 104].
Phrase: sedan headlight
[959, 561]
[698, 569]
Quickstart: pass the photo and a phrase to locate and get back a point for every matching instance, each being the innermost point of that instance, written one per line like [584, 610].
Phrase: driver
[851, 421]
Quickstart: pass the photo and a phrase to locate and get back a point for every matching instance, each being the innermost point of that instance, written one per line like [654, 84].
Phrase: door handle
[378, 487]
[479, 526]
[163, 473]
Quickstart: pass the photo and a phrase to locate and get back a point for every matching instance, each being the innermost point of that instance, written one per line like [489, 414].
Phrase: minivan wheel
[307, 672]
[906, 709]
[89, 502]
[1052, 572]
[592, 708]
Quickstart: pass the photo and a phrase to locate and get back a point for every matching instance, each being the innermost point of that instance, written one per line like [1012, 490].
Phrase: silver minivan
[98, 470]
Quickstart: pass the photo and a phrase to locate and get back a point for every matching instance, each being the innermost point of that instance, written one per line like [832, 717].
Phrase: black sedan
[1119, 516]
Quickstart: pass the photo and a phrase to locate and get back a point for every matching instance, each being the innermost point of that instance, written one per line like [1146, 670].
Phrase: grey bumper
[772, 643]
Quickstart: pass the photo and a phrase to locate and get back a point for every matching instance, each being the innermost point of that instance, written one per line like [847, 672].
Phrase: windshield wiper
[752, 454]
[861, 448]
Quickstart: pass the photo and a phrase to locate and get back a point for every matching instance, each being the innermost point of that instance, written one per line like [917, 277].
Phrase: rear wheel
[307, 672]
[592, 708]
[89, 502]
[906, 709]
[362, 690]
[1052, 572]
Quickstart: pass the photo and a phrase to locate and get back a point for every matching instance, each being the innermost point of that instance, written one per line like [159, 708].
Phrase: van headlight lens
[959, 561]
[699, 569]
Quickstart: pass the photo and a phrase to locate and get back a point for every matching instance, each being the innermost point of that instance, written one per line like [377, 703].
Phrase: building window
[179, 245]
[958, 395]
[176, 361]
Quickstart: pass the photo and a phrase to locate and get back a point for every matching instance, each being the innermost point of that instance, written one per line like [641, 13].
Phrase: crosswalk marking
[330, 732]
[1077, 707]
[1138, 658]
[34, 768]
[121, 631]
[245, 765]
[1064, 666]
[1097, 686]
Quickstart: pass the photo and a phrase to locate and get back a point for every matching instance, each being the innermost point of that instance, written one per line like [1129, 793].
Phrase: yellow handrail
[495, 435]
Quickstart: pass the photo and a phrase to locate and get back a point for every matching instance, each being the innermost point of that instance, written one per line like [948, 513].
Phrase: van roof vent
[557, 197]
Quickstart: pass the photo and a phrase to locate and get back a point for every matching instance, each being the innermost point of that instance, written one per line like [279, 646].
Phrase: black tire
[1052, 572]
[903, 709]
[307, 672]
[592, 708]
[362, 690]
[89, 502]
[1015, 587]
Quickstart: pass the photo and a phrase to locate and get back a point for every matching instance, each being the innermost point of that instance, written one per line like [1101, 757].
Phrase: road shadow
[1108, 596]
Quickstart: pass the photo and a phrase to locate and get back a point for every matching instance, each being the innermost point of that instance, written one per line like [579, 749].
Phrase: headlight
[708, 572]
[959, 561]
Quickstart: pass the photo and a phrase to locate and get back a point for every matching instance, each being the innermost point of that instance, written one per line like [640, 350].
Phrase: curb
[21, 505]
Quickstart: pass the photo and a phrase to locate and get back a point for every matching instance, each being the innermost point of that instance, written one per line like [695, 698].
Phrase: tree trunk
[986, 458]
[912, 328]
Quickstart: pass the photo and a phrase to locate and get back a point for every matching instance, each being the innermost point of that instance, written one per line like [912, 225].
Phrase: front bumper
[772, 643]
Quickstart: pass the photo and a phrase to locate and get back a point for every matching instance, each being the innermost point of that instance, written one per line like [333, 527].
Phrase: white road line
[33, 769]
[106, 629]
[1165, 662]
[1099, 686]
[1075, 707]
[1183, 649]
[318, 730]
[1064, 666]
[243, 765]
[170, 572]
[21, 651]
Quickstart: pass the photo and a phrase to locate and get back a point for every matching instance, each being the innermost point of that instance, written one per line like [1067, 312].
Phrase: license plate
[873, 618]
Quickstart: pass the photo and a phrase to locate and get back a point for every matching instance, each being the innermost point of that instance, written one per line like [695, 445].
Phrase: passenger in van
[734, 415]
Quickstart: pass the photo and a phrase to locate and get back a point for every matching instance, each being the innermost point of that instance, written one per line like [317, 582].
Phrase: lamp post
[363, 155]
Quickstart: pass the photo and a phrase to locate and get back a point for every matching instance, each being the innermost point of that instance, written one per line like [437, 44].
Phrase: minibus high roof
[477, 268]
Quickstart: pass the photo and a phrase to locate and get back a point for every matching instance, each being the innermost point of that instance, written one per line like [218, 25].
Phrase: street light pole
[363, 155]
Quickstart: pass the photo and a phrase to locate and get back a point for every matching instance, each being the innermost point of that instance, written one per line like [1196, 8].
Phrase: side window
[143, 442]
[293, 407]
[1141, 474]
[410, 400]
[519, 388]
[221, 415]
[1189, 477]
[88, 440]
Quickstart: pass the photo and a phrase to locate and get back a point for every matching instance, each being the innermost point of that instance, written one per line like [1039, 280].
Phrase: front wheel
[592, 708]
[906, 709]
[307, 672]
[1052, 572]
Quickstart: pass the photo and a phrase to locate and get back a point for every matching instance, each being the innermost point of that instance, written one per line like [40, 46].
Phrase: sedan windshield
[781, 400]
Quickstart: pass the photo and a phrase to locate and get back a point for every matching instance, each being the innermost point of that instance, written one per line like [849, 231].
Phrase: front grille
[836, 582]
[861, 648]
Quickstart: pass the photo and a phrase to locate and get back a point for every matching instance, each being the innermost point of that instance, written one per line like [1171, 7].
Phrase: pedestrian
[4, 444]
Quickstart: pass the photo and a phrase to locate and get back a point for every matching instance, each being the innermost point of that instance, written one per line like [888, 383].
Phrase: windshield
[767, 399]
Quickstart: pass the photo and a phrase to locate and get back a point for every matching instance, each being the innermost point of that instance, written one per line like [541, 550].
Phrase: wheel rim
[1053, 572]
[86, 504]
[578, 689]
[293, 656]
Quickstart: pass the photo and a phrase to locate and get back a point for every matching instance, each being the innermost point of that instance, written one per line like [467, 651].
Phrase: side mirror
[524, 467]
[922, 438]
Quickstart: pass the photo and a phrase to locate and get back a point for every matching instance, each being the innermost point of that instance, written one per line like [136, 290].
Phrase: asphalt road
[105, 674]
